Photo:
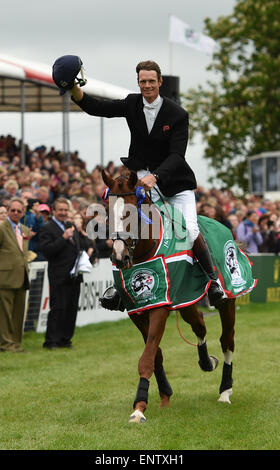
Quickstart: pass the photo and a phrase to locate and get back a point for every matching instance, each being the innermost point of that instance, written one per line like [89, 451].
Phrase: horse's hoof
[224, 397]
[137, 417]
[214, 360]
[209, 365]
[165, 401]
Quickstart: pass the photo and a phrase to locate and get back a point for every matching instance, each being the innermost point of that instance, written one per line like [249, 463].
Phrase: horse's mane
[124, 176]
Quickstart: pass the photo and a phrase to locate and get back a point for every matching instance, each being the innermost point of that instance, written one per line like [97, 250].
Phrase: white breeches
[184, 202]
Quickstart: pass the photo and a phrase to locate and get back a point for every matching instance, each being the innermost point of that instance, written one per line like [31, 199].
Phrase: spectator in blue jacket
[34, 220]
[248, 232]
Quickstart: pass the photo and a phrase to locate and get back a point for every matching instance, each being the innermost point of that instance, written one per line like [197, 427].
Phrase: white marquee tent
[27, 86]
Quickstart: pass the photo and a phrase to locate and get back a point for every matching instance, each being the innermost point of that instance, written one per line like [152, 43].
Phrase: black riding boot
[202, 253]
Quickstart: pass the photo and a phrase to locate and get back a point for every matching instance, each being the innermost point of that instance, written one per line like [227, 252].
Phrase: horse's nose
[119, 264]
[127, 262]
[123, 263]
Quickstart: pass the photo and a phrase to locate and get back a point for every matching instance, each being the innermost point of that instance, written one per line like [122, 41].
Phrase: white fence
[89, 311]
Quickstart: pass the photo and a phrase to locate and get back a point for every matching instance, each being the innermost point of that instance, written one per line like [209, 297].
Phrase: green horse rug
[173, 278]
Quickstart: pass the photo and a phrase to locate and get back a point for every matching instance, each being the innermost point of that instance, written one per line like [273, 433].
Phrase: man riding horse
[159, 137]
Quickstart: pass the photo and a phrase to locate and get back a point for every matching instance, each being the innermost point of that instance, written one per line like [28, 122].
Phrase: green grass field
[81, 399]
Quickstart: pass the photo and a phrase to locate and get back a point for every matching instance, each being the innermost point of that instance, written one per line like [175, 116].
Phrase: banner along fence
[89, 311]
[266, 268]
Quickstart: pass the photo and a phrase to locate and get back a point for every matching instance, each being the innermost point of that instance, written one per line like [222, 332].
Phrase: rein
[180, 333]
[167, 214]
[140, 193]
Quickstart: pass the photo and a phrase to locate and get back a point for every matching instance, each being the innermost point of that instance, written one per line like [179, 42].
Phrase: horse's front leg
[146, 365]
[227, 315]
[164, 387]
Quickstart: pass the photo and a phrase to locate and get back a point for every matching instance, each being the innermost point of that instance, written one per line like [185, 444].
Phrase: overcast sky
[111, 37]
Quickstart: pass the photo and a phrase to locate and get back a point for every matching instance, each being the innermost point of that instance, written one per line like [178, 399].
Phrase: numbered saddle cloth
[173, 278]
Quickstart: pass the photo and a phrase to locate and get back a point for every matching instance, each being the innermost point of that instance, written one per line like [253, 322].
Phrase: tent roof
[40, 92]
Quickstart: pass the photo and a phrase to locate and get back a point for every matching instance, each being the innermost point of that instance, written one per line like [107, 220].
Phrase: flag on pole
[182, 33]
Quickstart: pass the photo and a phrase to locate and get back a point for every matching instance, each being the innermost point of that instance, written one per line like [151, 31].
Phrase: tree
[239, 115]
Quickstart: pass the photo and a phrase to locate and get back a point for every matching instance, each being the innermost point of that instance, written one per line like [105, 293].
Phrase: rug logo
[144, 282]
[233, 265]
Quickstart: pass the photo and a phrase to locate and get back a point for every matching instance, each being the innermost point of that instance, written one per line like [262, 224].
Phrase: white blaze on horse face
[118, 214]
[119, 249]
[118, 227]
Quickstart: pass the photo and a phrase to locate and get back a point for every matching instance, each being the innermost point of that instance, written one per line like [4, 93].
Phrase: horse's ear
[108, 180]
[132, 179]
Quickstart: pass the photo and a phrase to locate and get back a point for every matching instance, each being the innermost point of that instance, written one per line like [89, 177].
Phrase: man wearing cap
[159, 136]
[45, 212]
[34, 220]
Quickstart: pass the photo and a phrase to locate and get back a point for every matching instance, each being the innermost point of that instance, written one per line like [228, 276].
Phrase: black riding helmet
[65, 70]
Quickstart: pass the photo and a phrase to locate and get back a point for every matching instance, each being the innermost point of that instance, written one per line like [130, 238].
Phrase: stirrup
[111, 300]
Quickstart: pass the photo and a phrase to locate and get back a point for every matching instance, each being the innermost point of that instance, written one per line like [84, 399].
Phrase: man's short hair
[44, 188]
[148, 65]
[11, 184]
[16, 199]
[60, 200]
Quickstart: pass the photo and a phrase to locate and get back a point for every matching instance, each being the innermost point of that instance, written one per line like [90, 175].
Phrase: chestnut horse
[151, 323]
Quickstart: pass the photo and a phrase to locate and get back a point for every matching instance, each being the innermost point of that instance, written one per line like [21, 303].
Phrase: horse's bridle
[140, 193]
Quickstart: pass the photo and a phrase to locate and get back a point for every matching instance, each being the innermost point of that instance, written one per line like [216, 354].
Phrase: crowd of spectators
[47, 175]
[253, 220]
